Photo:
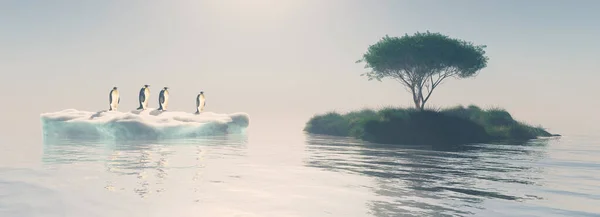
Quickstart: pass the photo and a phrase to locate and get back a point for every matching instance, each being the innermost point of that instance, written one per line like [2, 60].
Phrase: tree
[422, 61]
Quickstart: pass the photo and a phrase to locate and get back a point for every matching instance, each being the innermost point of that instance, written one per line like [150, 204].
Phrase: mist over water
[292, 174]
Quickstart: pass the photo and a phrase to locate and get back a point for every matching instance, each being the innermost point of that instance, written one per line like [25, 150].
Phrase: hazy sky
[288, 59]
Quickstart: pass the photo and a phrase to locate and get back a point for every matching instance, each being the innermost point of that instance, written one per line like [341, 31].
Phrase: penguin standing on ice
[163, 99]
[144, 97]
[113, 99]
[200, 102]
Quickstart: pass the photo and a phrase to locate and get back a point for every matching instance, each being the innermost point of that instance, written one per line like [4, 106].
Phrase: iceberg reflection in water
[142, 169]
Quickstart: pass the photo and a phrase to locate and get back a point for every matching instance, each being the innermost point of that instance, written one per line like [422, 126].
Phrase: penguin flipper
[161, 97]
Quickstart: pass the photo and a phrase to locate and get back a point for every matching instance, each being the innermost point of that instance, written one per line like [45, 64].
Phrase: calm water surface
[260, 174]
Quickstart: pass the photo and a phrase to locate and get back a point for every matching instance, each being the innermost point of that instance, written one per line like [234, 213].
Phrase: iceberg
[147, 124]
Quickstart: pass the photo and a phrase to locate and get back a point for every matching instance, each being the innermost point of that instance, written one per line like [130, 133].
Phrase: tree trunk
[416, 98]
[418, 105]
[421, 99]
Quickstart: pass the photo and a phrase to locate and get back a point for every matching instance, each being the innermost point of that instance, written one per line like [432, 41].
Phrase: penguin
[113, 99]
[144, 97]
[163, 99]
[200, 102]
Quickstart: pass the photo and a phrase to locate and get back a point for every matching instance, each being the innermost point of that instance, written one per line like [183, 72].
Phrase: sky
[282, 61]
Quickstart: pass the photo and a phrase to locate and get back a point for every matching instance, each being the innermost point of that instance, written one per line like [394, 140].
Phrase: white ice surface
[137, 124]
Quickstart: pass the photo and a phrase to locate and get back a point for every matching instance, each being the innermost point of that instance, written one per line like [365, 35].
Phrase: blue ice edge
[148, 124]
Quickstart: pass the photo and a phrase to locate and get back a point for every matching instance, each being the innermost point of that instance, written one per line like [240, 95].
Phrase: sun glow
[248, 12]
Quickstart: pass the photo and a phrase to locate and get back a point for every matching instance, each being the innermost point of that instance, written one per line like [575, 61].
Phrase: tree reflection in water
[420, 181]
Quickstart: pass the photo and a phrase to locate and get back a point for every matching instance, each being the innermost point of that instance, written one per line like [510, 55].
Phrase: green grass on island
[451, 126]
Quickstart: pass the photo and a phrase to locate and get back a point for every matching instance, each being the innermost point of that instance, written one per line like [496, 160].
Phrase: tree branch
[434, 84]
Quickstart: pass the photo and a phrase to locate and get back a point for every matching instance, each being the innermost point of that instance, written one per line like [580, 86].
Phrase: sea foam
[138, 124]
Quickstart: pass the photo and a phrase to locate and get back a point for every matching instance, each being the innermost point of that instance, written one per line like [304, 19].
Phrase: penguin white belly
[201, 104]
[114, 104]
[166, 100]
[146, 98]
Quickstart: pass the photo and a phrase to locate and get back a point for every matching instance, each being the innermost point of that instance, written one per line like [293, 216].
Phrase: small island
[420, 62]
[451, 126]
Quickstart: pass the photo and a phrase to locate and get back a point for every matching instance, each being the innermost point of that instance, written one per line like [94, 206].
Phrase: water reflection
[418, 181]
[141, 167]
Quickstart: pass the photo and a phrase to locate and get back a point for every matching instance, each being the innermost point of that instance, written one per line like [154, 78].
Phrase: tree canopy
[422, 61]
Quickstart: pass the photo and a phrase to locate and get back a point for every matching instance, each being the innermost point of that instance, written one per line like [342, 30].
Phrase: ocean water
[294, 174]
